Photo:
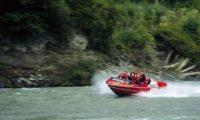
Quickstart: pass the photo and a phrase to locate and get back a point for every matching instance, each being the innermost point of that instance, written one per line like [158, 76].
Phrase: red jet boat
[124, 88]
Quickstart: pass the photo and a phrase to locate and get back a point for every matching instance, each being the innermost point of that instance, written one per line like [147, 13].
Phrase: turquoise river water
[180, 101]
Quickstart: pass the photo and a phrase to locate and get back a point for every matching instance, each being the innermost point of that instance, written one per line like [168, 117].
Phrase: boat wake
[174, 88]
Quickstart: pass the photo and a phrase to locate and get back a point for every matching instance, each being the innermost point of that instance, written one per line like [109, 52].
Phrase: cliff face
[62, 43]
[38, 64]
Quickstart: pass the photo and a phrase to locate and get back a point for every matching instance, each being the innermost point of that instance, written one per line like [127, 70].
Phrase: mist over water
[178, 88]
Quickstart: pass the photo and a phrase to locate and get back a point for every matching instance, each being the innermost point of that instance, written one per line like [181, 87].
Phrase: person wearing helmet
[141, 78]
[120, 76]
[134, 77]
[124, 75]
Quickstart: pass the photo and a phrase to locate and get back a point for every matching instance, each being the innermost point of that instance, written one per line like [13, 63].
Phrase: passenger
[131, 76]
[141, 78]
[134, 77]
[123, 76]
[136, 71]
[120, 76]
[126, 75]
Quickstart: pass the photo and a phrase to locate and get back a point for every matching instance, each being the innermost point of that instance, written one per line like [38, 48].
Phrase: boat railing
[120, 80]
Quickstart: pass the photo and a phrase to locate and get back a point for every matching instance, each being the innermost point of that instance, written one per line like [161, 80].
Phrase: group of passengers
[135, 77]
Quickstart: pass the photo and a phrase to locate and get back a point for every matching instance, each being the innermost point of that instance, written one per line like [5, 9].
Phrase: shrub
[80, 73]
[134, 39]
[192, 28]
[33, 18]
[171, 39]
[154, 13]
[97, 22]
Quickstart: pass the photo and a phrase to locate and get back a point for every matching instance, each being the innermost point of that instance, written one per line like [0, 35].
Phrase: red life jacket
[123, 76]
[120, 76]
[133, 79]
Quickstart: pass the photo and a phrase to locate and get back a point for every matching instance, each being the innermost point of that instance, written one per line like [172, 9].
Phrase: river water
[180, 101]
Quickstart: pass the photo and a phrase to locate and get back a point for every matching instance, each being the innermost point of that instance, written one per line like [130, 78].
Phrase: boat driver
[134, 76]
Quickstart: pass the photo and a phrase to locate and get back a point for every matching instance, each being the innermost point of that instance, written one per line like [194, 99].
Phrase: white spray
[99, 80]
[176, 89]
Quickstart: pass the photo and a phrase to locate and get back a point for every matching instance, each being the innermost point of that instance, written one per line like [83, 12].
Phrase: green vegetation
[79, 74]
[74, 72]
[137, 28]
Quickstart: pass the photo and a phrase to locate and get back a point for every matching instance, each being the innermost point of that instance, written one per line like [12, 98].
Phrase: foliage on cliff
[107, 24]
[137, 28]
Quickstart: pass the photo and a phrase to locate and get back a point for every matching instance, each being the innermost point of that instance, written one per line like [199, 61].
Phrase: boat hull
[124, 88]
